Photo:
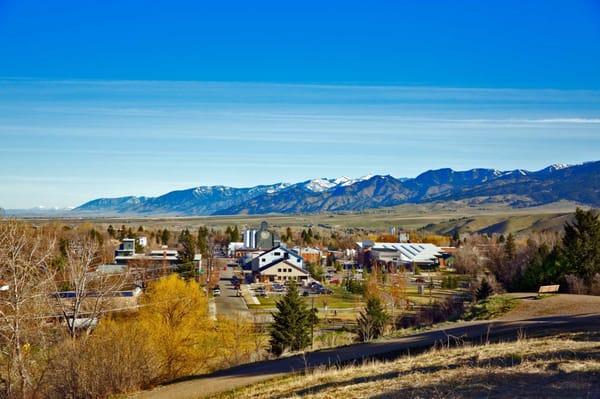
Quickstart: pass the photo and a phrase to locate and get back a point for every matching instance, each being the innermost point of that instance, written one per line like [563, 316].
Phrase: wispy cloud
[70, 138]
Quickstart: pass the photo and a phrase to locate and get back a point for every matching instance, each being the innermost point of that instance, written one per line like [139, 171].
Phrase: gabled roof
[279, 261]
[411, 252]
[280, 248]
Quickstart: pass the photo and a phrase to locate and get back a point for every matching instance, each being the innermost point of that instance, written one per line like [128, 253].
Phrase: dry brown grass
[562, 366]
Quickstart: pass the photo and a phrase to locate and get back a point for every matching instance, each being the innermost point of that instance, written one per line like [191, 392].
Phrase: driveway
[477, 332]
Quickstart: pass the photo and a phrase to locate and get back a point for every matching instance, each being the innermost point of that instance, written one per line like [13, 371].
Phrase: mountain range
[517, 188]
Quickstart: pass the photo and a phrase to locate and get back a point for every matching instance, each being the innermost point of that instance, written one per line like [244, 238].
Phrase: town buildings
[394, 255]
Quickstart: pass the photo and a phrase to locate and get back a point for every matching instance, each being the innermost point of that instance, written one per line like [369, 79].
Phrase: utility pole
[312, 324]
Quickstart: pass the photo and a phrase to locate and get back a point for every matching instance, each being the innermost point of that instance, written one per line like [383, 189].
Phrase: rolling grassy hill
[561, 366]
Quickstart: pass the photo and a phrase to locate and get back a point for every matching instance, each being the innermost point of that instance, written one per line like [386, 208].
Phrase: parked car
[278, 288]
[260, 291]
[216, 291]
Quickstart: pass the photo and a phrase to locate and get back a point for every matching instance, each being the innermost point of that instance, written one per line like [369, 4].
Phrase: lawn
[491, 308]
[340, 299]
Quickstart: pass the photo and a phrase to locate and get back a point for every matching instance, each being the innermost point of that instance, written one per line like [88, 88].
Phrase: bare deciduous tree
[24, 258]
[90, 291]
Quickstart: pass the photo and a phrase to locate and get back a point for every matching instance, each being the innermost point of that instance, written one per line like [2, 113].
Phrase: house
[392, 255]
[234, 247]
[310, 255]
[282, 270]
[126, 248]
[276, 254]
[126, 255]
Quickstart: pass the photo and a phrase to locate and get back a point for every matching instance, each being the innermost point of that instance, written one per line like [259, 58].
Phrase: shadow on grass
[507, 386]
[552, 360]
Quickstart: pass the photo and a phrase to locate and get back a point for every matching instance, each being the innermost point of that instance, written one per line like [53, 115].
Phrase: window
[277, 253]
[278, 270]
[263, 259]
[289, 270]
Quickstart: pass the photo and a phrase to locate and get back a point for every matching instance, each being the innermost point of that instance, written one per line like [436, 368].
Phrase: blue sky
[122, 97]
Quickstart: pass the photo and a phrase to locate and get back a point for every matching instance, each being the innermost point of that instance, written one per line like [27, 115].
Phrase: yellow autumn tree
[236, 337]
[180, 334]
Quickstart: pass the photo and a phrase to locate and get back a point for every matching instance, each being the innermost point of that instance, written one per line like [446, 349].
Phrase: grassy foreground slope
[561, 366]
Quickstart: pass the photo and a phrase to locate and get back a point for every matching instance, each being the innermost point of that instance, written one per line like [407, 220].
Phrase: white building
[233, 247]
[399, 253]
[277, 254]
[143, 241]
[250, 238]
[281, 271]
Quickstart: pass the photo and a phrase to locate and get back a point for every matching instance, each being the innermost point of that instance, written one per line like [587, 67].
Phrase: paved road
[202, 386]
[229, 303]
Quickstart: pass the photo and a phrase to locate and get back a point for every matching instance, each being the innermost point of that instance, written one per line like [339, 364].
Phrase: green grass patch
[491, 308]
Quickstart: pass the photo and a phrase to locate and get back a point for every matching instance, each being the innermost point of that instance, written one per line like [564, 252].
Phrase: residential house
[310, 255]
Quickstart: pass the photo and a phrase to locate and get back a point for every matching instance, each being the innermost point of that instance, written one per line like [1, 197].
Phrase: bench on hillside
[548, 289]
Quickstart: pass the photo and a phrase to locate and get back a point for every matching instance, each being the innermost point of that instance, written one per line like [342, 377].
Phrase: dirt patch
[562, 304]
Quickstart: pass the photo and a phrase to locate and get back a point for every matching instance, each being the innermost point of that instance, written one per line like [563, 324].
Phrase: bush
[484, 290]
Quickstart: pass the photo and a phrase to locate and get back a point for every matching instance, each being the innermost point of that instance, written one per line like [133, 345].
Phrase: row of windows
[284, 270]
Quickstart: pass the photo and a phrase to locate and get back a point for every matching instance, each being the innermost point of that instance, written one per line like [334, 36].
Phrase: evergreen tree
[122, 232]
[581, 245]
[292, 323]
[372, 320]
[165, 236]
[188, 246]
[544, 268]
[484, 290]
[288, 234]
[203, 240]
[111, 231]
[456, 238]
[140, 229]
[235, 234]
[509, 247]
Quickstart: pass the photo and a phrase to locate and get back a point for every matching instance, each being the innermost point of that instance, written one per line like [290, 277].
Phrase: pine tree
[165, 236]
[509, 247]
[456, 238]
[484, 290]
[292, 323]
[111, 231]
[235, 234]
[188, 246]
[372, 320]
[581, 245]
[203, 240]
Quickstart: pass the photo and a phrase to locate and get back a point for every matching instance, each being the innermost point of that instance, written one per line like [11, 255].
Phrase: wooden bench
[548, 289]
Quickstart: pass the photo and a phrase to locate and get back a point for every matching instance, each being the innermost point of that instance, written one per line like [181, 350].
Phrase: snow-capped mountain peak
[320, 185]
